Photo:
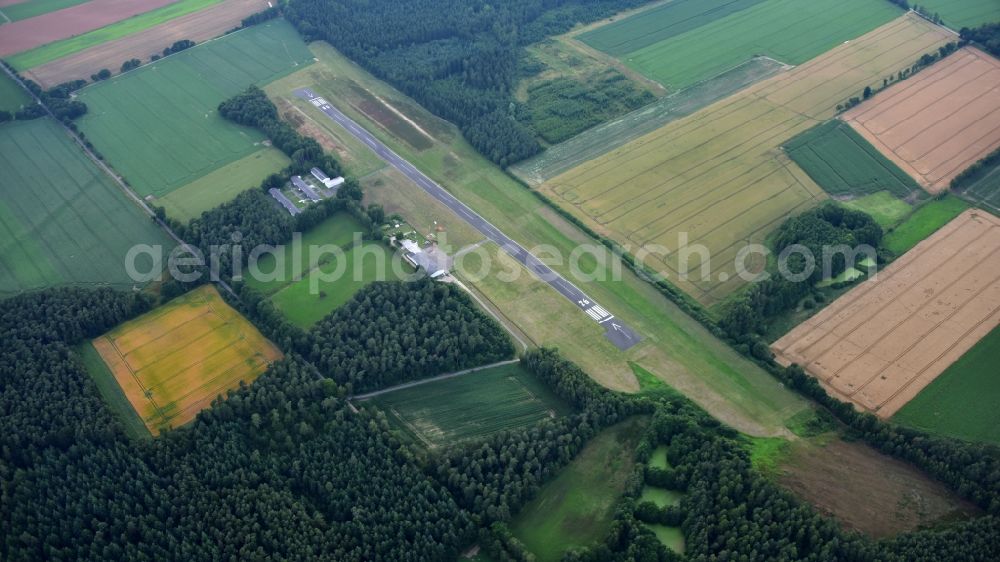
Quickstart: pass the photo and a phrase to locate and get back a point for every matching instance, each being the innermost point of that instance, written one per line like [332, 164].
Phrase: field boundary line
[446, 376]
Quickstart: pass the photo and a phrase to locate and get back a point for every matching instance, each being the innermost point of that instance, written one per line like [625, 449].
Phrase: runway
[615, 330]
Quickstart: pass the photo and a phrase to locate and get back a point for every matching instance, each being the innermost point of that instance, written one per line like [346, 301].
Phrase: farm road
[615, 330]
[433, 379]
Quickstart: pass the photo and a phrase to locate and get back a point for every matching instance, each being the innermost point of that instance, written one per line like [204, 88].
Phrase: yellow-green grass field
[31, 8]
[576, 508]
[962, 401]
[309, 300]
[676, 348]
[672, 537]
[173, 361]
[221, 185]
[135, 24]
[957, 14]
[887, 209]
[719, 177]
[471, 406]
[288, 266]
[62, 220]
[923, 222]
[790, 31]
[12, 96]
[159, 126]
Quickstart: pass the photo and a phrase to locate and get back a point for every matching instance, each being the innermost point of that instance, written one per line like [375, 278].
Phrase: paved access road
[615, 330]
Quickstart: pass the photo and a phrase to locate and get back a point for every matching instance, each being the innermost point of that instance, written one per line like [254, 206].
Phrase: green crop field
[220, 186]
[884, 207]
[471, 406]
[59, 49]
[576, 508]
[61, 220]
[790, 31]
[923, 222]
[12, 96]
[659, 24]
[985, 189]
[158, 125]
[957, 14]
[32, 8]
[962, 401]
[842, 162]
[310, 299]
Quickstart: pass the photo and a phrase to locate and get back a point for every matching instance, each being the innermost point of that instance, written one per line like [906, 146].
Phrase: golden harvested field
[939, 122]
[881, 343]
[719, 176]
[197, 26]
[173, 361]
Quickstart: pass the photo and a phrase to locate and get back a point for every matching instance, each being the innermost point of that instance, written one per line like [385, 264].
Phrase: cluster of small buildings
[308, 192]
[418, 258]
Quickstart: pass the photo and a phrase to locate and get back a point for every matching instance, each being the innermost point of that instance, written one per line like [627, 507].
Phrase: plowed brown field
[938, 123]
[881, 343]
[53, 26]
[197, 26]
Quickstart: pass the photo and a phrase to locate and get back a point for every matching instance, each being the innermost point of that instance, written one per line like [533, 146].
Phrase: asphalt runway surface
[614, 329]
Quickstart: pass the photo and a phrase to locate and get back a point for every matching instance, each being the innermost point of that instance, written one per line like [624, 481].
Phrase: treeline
[57, 99]
[925, 60]
[987, 35]
[252, 109]
[976, 171]
[457, 58]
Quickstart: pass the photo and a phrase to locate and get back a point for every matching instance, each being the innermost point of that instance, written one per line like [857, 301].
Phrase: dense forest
[284, 469]
[457, 58]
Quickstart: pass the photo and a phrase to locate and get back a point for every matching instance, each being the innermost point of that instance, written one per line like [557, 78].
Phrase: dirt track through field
[880, 344]
[46, 28]
[938, 123]
[197, 26]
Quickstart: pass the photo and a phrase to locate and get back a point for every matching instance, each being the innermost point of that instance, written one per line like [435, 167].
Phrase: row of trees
[57, 99]
[457, 58]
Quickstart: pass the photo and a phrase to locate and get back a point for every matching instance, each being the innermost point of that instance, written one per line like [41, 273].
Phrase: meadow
[688, 357]
[672, 537]
[962, 401]
[361, 265]
[173, 361]
[787, 30]
[957, 14]
[12, 96]
[31, 8]
[923, 222]
[59, 49]
[577, 506]
[471, 406]
[223, 184]
[158, 125]
[843, 163]
[717, 178]
[884, 207]
[62, 221]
